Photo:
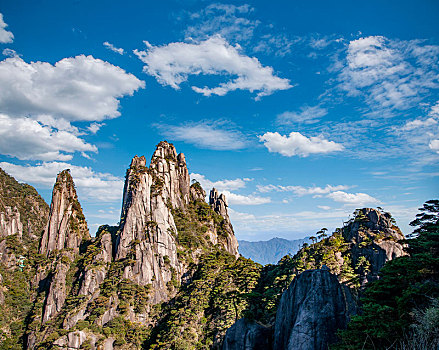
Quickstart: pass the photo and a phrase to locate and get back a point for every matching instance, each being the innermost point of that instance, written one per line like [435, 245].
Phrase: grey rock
[247, 335]
[218, 202]
[374, 237]
[65, 211]
[10, 223]
[311, 311]
[64, 233]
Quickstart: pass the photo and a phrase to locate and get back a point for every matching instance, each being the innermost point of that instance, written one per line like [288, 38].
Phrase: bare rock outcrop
[10, 223]
[65, 231]
[66, 227]
[218, 203]
[148, 232]
[247, 335]
[311, 311]
[374, 239]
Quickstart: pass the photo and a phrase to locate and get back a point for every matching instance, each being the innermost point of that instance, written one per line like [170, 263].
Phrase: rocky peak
[148, 232]
[218, 202]
[197, 192]
[66, 227]
[374, 239]
[171, 174]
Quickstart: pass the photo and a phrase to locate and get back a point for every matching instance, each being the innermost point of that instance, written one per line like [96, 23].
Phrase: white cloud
[300, 190]
[5, 36]
[390, 73]
[297, 144]
[434, 145]
[324, 207]
[10, 53]
[307, 115]
[359, 199]
[25, 138]
[113, 48]
[76, 88]
[224, 19]
[91, 185]
[419, 123]
[206, 134]
[239, 199]
[95, 127]
[172, 65]
[221, 185]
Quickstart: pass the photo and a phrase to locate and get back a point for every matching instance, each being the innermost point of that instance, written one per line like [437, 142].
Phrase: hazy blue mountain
[271, 251]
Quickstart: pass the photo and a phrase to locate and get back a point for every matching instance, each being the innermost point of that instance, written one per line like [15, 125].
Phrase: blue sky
[299, 111]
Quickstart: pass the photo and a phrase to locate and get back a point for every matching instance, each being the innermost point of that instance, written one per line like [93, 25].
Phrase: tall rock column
[218, 203]
[65, 231]
[66, 227]
[148, 232]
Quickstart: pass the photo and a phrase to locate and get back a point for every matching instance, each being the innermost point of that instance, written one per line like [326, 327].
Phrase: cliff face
[23, 215]
[311, 310]
[65, 231]
[148, 233]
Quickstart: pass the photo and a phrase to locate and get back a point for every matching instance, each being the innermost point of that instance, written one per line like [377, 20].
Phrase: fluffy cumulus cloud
[25, 138]
[217, 135]
[306, 115]
[356, 199]
[5, 35]
[91, 185]
[389, 73]
[220, 185]
[42, 100]
[172, 65]
[76, 88]
[296, 144]
[113, 48]
[301, 190]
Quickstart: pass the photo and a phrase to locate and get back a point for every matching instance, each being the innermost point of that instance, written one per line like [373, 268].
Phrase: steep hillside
[271, 251]
[23, 215]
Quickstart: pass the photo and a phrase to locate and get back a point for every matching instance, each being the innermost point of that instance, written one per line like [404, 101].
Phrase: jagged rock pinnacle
[66, 227]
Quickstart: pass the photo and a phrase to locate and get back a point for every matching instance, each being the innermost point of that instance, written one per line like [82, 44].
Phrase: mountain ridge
[270, 251]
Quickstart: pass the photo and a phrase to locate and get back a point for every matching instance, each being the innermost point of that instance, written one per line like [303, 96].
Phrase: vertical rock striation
[311, 310]
[218, 203]
[148, 232]
[247, 335]
[10, 223]
[65, 231]
[66, 227]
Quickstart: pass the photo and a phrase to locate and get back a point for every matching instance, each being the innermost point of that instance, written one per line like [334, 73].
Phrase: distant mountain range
[271, 251]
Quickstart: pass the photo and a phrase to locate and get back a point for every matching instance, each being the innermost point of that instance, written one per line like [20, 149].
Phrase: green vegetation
[400, 310]
[204, 309]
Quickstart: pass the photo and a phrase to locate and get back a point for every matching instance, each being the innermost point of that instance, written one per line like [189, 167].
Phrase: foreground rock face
[311, 310]
[374, 239]
[247, 335]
